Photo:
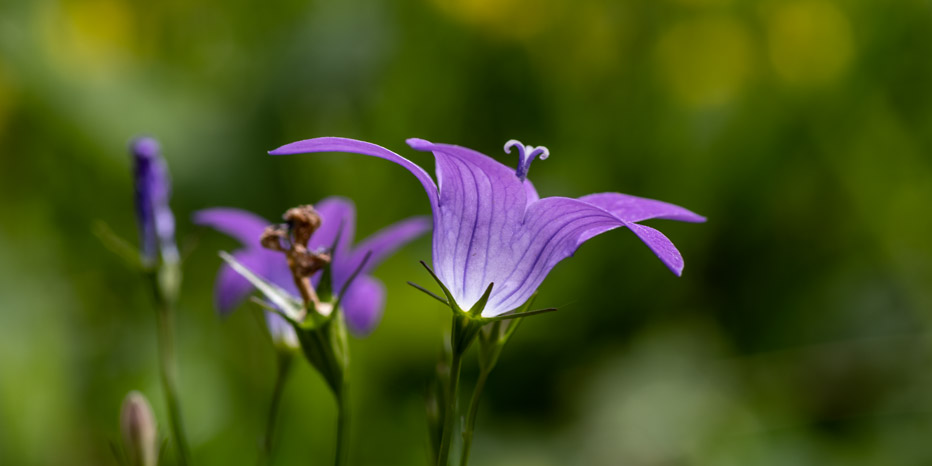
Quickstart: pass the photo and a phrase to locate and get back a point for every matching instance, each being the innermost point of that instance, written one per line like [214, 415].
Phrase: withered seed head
[273, 237]
[303, 222]
[307, 262]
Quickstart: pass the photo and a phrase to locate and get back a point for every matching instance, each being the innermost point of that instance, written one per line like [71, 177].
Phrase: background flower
[153, 190]
[365, 298]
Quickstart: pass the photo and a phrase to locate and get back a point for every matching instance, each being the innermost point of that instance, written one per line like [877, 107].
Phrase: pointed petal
[331, 144]
[553, 229]
[381, 244]
[482, 204]
[661, 245]
[635, 209]
[280, 298]
[338, 217]
[240, 224]
[363, 304]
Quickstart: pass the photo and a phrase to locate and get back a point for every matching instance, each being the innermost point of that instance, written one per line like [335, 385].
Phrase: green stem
[268, 441]
[449, 415]
[471, 416]
[342, 423]
[167, 370]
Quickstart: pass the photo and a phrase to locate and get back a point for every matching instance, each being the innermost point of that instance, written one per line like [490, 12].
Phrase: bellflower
[362, 302]
[153, 190]
[492, 228]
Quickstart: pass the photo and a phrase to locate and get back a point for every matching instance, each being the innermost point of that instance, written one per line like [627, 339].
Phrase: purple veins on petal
[635, 209]
[491, 226]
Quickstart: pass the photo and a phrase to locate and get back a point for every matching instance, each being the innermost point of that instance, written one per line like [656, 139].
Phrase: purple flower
[364, 299]
[153, 190]
[491, 227]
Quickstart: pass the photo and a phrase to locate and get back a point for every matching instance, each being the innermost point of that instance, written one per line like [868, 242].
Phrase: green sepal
[476, 309]
[520, 315]
[287, 306]
[429, 293]
[496, 333]
[446, 292]
[349, 281]
[325, 285]
[117, 245]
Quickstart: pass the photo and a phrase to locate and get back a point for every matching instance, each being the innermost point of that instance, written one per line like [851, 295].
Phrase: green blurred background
[798, 334]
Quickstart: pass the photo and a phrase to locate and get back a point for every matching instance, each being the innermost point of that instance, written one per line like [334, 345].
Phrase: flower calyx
[467, 324]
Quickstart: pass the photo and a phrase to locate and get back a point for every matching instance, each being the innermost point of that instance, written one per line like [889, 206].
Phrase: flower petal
[381, 245]
[331, 144]
[240, 224]
[661, 245]
[552, 230]
[338, 217]
[363, 304]
[635, 209]
[482, 205]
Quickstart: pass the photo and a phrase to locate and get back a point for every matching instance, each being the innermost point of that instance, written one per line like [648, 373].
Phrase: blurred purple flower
[490, 225]
[364, 299]
[153, 190]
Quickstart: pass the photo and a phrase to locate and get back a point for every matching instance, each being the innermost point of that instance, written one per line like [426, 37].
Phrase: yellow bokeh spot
[703, 3]
[87, 35]
[705, 61]
[513, 19]
[810, 41]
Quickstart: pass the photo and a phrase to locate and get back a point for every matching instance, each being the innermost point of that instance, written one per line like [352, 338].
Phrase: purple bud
[137, 425]
[153, 190]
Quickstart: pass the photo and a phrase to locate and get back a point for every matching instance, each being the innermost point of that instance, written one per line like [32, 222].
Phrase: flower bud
[137, 425]
[153, 190]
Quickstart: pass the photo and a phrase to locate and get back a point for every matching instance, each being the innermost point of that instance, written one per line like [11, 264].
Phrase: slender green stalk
[471, 415]
[167, 370]
[268, 441]
[342, 424]
[449, 415]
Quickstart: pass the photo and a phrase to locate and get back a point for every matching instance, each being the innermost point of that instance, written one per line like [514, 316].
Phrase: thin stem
[471, 415]
[342, 424]
[449, 415]
[167, 370]
[268, 441]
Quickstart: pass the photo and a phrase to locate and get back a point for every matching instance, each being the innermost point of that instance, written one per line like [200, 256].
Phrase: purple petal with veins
[490, 226]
